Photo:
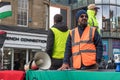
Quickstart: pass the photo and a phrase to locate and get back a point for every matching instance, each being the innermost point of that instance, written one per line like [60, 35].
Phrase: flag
[5, 10]
[3, 35]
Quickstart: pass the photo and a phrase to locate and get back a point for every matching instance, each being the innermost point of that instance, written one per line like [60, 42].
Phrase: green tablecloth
[71, 75]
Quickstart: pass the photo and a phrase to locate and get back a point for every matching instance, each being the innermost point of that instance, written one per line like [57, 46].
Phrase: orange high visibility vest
[83, 48]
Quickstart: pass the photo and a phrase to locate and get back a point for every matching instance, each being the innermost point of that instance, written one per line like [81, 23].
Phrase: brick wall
[37, 14]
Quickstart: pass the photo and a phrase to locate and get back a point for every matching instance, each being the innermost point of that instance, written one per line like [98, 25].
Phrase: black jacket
[50, 39]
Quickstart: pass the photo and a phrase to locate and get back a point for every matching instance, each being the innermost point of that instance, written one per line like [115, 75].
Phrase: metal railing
[111, 34]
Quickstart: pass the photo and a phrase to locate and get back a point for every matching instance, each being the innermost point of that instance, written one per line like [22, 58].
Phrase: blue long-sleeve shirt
[97, 41]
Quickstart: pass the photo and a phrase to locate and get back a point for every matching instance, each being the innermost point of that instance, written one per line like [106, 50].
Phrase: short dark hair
[58, 18]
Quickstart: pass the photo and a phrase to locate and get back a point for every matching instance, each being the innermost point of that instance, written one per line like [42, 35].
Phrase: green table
[71, 75]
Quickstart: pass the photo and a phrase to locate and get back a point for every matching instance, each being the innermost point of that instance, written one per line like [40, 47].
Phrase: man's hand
[64, 66]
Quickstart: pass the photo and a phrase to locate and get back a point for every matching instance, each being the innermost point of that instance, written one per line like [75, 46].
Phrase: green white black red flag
[5, 10]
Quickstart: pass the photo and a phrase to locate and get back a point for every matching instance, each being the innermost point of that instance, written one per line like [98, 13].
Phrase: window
[106, 1]
[112, 1]
[64, 10]
[99, 16]
[90, 1]
[118, 18]
[98, 1]
[22, 16]
[106, 17]
[118, 2]
[72, 1]
[112, 17]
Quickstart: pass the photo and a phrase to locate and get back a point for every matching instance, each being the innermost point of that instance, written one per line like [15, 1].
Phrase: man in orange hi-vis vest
[84, 46]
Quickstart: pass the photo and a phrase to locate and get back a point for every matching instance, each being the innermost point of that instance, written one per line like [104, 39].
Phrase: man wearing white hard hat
[92, 12]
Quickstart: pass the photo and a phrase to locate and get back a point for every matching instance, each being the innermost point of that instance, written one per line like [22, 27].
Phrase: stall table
[12, 75]
[71, 75]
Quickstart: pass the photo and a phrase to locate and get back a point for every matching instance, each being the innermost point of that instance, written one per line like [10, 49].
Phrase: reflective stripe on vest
[83, 49]
[60, 39]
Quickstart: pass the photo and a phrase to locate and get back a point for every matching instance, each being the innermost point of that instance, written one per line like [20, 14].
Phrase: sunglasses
[82, 16]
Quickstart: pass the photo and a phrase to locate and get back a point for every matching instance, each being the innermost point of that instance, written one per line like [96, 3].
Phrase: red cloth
[2, 32]
[12, 75]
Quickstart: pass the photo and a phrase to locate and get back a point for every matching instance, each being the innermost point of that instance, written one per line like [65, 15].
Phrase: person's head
[58, 18]
[93, 7]
[81, 18]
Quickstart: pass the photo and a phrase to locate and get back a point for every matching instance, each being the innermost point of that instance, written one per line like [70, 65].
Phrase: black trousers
[56, 63]
[93, 67]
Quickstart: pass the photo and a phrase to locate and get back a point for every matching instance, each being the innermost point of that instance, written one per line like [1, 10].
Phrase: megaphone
[41, 61]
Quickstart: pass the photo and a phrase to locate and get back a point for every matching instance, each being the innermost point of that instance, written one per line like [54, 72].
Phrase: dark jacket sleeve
[99, 46]
[50, 42]
[68, 52]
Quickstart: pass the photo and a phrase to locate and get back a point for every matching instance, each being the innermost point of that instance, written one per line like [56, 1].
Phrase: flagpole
[1, 54]
[0, 19]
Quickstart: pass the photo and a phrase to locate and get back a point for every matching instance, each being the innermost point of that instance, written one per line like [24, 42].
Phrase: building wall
[36, 14]
[67, 9]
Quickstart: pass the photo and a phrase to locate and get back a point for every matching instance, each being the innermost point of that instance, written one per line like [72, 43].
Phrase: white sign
[116, 51]
[25, 40]
[117, 58]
